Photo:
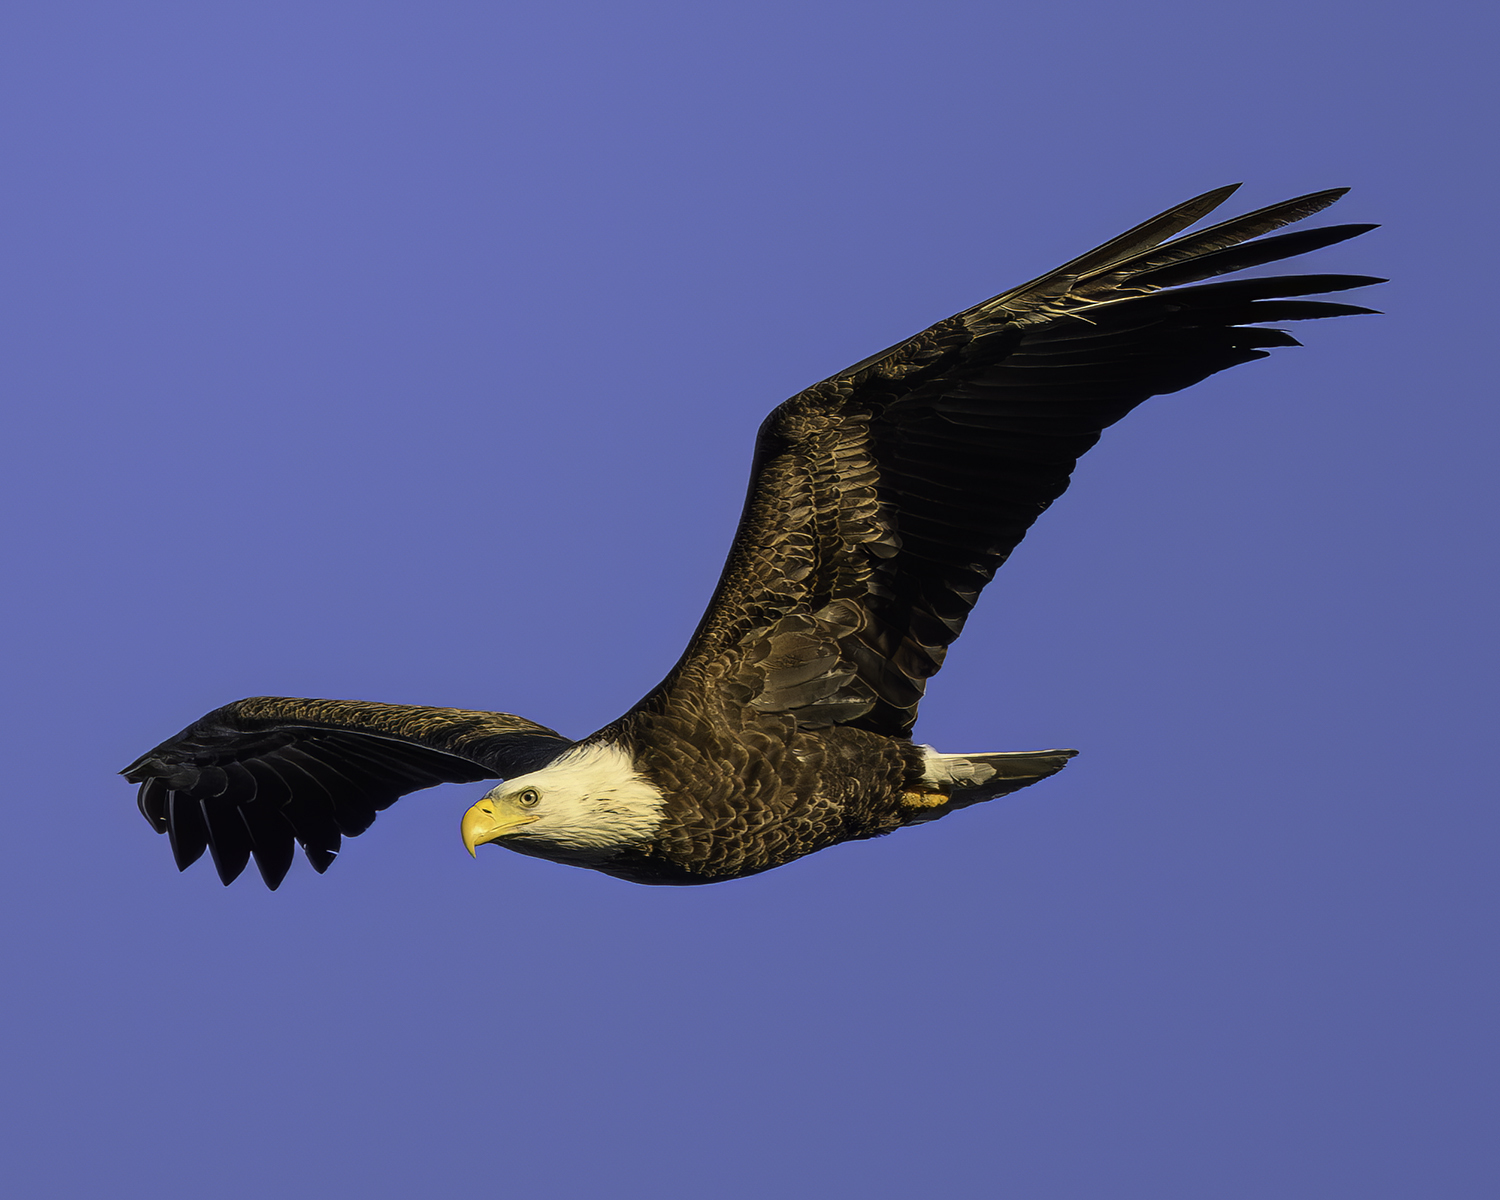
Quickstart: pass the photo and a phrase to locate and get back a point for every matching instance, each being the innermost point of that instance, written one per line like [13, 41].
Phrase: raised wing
[882, 500]
[259, 775]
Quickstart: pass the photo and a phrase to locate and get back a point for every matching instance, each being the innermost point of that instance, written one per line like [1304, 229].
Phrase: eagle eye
[528, 798]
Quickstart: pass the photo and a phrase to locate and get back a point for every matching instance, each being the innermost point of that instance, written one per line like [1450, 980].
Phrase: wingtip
[1316, 201]
[273, 867]
[1212, 198]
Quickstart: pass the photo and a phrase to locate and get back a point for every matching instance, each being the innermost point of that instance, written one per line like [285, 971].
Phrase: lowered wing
[260, 775]
[882, 500]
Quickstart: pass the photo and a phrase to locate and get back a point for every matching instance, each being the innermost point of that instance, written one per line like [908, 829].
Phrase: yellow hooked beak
[487, 821]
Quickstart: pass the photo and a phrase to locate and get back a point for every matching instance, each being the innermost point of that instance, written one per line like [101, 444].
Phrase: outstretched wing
[882, 500]
[258, 775]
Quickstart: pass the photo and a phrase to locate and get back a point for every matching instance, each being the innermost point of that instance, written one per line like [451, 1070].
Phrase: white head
[591, 798]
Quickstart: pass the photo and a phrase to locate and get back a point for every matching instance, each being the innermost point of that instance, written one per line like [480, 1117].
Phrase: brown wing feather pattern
[257, 776]
[882, 500]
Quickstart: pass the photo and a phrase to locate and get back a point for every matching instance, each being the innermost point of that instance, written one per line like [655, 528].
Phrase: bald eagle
[881, 501]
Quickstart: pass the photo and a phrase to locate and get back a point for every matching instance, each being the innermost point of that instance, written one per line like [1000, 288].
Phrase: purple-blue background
[413, 352]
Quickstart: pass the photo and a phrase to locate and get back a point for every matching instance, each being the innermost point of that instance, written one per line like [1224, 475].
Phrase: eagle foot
[920, 798]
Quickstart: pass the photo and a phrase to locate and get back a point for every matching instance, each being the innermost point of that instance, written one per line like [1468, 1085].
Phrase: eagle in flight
[881, 501]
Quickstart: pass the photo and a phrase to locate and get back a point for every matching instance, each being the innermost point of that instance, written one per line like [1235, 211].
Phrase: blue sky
[414, 353]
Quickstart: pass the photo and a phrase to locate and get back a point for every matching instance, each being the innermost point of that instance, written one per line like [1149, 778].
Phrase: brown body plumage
[748, 792]
[881, 502]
